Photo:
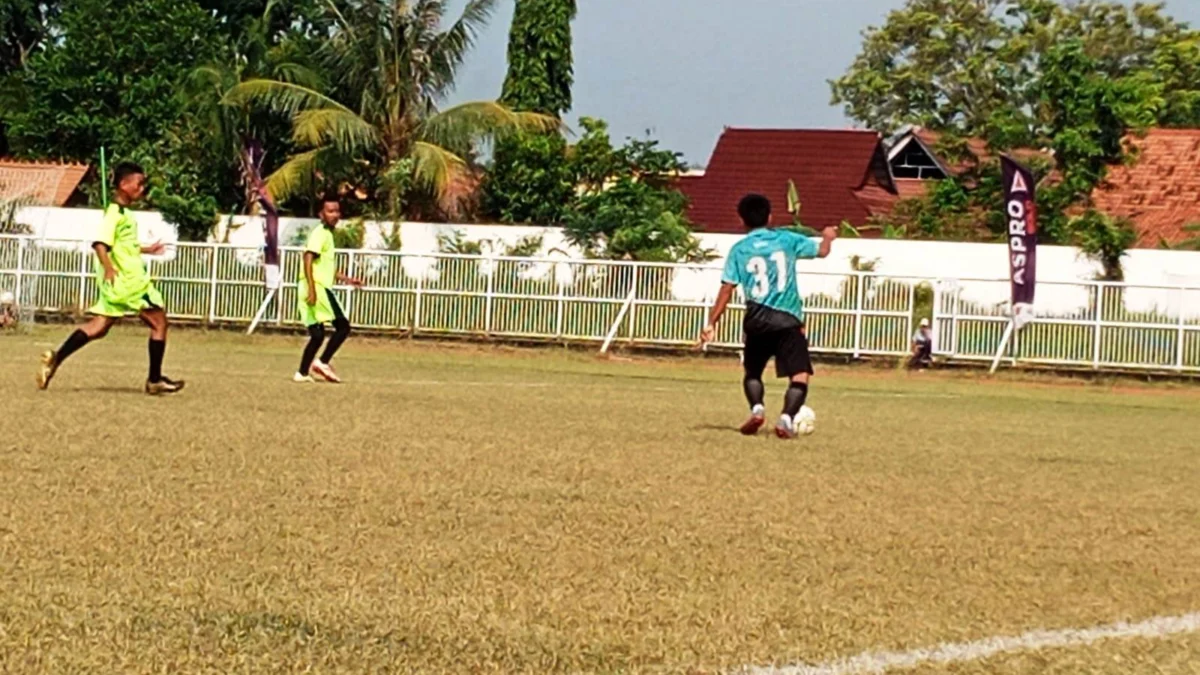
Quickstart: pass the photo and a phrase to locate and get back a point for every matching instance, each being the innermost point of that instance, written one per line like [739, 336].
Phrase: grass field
[479, 509]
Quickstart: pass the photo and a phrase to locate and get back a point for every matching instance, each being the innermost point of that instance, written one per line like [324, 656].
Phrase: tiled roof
[39, 183]
[912, 188]
[977, 147]
[839, 175]
[1160, 190]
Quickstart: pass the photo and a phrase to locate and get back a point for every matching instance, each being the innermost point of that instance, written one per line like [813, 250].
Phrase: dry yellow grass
[458, 509]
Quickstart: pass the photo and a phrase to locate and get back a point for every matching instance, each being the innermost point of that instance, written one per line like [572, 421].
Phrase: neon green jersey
[320, 242]
[119, 232]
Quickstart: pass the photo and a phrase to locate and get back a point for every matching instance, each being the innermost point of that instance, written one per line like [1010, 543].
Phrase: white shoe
[325, 372]
[785, 429]
[302, 379]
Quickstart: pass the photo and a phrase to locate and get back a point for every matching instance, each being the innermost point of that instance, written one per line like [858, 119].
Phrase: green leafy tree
[1086, 115]
[389, 65]
[540, 63]
[1105, 240]
[971, 67]
[25, 26]
[1177, 68]
[530, 180]
[263, 46]
[113, 78]
[627, 208]
[944, 64]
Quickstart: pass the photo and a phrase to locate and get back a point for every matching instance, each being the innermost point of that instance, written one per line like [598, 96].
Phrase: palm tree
[390, 65]
[259, 51]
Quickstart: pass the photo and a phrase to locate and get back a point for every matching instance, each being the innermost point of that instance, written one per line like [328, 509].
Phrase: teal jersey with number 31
[764, 265]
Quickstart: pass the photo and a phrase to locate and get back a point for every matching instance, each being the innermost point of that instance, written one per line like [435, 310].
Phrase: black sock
[755, 391]
[74, 342]
[794, 400]
[316, 335]
[157, 349]
[340, 333]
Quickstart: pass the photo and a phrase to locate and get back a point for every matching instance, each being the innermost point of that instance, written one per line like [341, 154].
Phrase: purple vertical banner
[1020, 210]
[253, 158]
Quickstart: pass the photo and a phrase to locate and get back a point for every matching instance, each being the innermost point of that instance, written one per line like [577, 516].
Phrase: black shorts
[788, 347]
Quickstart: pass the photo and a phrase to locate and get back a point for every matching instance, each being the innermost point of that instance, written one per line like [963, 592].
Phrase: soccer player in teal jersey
[764, 264]
[123, 286]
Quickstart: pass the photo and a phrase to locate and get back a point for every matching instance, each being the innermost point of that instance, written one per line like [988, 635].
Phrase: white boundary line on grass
[876, 663]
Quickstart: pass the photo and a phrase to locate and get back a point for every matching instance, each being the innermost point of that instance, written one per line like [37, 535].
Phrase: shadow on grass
[717, 427]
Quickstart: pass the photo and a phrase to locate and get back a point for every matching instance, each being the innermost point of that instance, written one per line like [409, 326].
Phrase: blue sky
[685, 69]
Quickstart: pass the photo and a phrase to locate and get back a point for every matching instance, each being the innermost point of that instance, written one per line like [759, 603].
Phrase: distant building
[1159, 190]
[39, 183]
[840, 176]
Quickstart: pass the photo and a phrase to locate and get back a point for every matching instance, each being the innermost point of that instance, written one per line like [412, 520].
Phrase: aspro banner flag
[253, 159]
[1020, 208]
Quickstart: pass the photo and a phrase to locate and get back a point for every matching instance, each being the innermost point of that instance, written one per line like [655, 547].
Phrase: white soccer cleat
[754, 423]
[325, 372]
[784, 428]
[302, 379]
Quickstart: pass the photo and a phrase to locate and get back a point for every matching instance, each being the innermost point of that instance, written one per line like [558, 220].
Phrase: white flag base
[274, 280]
[1022, 316]
[1008, 333]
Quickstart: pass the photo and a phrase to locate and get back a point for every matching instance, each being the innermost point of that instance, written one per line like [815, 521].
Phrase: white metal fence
[1087, 324]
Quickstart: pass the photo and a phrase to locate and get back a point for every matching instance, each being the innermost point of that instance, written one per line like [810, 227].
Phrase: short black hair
[125, 170]
[755, 211]
[328, 199]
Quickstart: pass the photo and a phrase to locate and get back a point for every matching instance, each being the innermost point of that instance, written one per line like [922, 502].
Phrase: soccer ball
[806, 421]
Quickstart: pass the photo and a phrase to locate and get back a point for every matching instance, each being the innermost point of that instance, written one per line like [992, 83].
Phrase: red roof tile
[912, 188]
[39, 183]
[1160, 190]
[839, 175]
[977, 147]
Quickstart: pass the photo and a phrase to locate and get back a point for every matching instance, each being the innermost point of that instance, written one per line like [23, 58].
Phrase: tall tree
[273, 45]
[540, 63]
[970, 67]
[529, 180]
[113, 78]
[378, 126]
[25, 26]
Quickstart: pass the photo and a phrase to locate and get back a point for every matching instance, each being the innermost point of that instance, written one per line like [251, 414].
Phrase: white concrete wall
[942, 260]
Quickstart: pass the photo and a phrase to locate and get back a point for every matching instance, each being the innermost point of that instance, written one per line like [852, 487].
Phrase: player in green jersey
[123, 284]
[315, 299]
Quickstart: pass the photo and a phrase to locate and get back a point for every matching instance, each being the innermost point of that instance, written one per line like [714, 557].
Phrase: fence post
[954, 320]
[1099, 325]
[18, 298]
[215, 251]
[352, 268]
[637, 274]
[491, 288]
[84, 259]
[912, 307]
[858, 313]
[282, 283]
[935, 323]
[417, 308]
[1182, 331]
[562, 301]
